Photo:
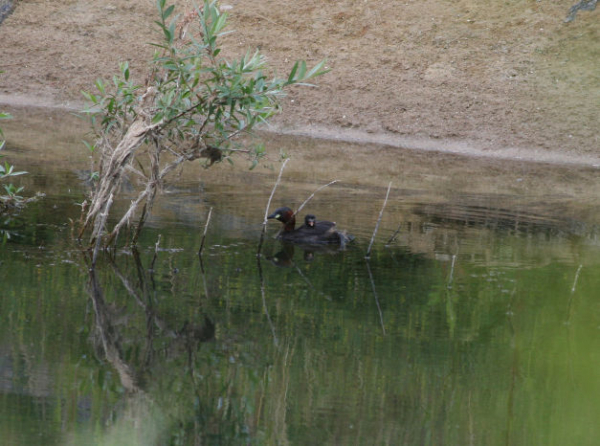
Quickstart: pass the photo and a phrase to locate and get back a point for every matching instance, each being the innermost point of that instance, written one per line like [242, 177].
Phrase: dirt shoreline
[421, 144]
[501, 81]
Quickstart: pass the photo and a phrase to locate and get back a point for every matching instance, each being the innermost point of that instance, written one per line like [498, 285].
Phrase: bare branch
[205, 229]
[313, 194]
[100, 223]
[264, 228]
[378, 221]
[273, 193]
[130, 212]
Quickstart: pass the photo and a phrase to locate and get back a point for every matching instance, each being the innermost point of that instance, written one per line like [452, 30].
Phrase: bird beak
[275, 216]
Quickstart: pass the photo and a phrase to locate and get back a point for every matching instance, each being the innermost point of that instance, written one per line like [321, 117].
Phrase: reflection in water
[141, 408]
[284, 257]
[475, 321]
[519, 220]
[456, 343]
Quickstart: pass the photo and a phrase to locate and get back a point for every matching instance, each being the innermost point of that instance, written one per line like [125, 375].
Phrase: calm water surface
[475, 323]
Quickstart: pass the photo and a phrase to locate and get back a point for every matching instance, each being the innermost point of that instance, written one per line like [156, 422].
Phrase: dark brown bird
[312, 232]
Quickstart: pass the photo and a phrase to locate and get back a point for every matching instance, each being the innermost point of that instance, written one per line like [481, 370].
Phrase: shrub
[9, 198]
[194, 104]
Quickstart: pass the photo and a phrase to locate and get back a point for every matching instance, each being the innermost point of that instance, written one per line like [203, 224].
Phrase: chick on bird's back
[312, 232]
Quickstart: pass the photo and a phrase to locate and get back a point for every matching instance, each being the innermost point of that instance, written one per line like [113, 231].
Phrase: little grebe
[312, 232]
[310, 220]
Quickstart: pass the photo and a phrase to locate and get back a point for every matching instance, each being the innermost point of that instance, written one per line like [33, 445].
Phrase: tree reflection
[164, 383]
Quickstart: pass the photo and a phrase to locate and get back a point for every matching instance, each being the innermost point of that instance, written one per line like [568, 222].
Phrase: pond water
[475, 321]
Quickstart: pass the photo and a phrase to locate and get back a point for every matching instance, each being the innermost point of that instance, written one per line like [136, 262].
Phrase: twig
[572, 294]
[129, 214]
[368, 255]
[205, 229]
[451, 275]
[308, 282]
[393, 237]
[101, 224]
[156, 245]
[376, 297]
[264, 229]
[264, 300]
[154, 165]
[273, 191]
[84, 206]
[313, 194]
[574, 287]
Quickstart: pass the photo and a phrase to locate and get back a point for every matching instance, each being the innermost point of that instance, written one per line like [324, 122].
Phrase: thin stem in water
[368, 255]
[205, 229]
[264, 229]
[313, 194]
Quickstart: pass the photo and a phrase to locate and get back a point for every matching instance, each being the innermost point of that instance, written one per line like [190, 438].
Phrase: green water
[467, 327]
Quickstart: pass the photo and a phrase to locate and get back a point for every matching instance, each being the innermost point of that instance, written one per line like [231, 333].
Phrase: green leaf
[9, 171]
[157, 117]
[90, 97]
[219, 24]
[318, 70]
[292, 73]
[172, 27]
[168, 12]
[89, 146]
[164, 47]
[168, 35]
[124, 66]
[302, 70]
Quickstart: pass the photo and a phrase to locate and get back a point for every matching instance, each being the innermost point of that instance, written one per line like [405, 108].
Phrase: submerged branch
[264, 300]
[376, 297]
[266, 219]
[394, 235]
[100, 224]
[132, 208]
[156, 245]
[114, 167]
[108, 336]
[378, 221]
[205, 229]
[313, 194]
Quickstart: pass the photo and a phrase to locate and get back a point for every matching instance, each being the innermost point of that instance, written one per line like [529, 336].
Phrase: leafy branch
[193, 104]
[11, 198]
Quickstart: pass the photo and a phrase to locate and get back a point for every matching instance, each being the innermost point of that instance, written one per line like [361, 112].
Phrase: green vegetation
[11, 202]
[9, 198]
[480, 351]
[194, 104]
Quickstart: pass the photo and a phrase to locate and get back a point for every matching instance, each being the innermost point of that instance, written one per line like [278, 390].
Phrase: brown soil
[507, 79]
